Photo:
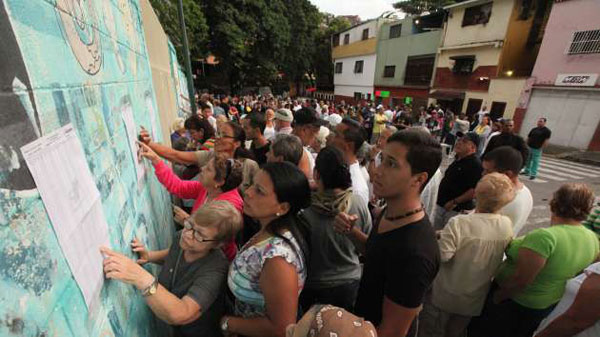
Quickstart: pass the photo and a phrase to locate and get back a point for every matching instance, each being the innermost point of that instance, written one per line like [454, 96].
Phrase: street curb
[574, 157]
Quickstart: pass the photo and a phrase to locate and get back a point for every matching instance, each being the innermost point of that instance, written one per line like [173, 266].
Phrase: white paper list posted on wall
[72, 200]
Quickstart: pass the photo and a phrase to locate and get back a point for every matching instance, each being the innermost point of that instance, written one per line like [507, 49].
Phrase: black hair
[332, 168]
[424, 152]
[240, 136]
[354, 133]
[291, 186]
[230, 171]
[196, 123]
[257, 120]
[505, 158]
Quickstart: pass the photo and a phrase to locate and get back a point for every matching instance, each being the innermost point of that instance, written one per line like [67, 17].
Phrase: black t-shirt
[204, 281]
[401, 265]
[462, 175]
[260, 153]
[508, 139]
[537, 136]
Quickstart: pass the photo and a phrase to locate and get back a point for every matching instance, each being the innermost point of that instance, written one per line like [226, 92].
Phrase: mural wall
[79, 62]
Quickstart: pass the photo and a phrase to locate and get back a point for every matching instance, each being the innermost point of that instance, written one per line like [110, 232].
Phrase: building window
[395, 31]
[365, 35]
[463, 64]
[477, 15]
[358, 67]
[338, 67]
[357, 96]
[336, 40]
[389, 71]
[346, 38]
[585, 42]
[419, 70]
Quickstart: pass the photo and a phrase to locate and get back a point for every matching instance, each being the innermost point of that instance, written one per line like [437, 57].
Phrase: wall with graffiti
[79, 62]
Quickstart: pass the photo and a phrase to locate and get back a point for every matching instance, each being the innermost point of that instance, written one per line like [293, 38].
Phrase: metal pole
[186, 54]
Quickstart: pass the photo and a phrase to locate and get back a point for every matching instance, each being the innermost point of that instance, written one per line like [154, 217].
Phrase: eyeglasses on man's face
[189, 226]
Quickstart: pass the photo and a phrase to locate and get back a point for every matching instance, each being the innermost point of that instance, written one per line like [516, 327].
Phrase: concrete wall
[494, 30]
[397, 50]
[348, 77]
[160, 63]
[505, 90]
[566, 18]
[57, 69]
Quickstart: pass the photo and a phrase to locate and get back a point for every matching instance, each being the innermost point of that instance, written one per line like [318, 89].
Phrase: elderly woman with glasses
[189, 291]
[218, 180]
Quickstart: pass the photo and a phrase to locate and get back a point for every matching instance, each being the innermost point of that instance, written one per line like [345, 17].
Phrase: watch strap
[149, 289]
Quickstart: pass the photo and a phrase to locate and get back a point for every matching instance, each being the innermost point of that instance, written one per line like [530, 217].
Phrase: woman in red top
[218, 180]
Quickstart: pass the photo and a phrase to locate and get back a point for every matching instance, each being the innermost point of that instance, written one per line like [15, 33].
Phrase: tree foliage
[195, 22]
[417, 7]
[256, 40]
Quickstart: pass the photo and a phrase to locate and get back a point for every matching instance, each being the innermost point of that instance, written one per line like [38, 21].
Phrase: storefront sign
[576, 80]
[382, 93]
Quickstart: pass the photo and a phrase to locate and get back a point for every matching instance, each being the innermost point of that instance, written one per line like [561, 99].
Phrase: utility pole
[186, 54]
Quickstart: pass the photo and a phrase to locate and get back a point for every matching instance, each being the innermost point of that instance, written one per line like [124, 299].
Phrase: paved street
[553, 173]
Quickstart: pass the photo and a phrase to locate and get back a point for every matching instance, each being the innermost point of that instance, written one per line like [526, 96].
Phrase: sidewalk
[572, 154]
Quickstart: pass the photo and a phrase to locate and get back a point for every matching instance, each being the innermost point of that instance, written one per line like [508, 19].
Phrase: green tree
[417, 7]
[195, 22]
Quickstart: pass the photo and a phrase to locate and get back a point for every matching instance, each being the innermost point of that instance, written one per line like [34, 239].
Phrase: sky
[366, 9]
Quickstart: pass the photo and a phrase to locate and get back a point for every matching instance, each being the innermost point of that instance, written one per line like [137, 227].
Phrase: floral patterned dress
[245, 270]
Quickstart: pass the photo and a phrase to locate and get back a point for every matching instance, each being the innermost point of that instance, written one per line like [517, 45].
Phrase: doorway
[497, 110]
[473, 106]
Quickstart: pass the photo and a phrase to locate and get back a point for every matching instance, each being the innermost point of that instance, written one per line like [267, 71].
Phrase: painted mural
[79, 62]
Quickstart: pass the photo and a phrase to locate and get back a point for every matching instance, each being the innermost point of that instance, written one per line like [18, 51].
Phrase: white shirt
[359, 184]
[480, 115]
[367, 177]
[286, 131]
[269, 132]
[311, 160]
[430, 194]
[213, 122]
[518, 209]
[297, 107]
[471, 250]
[567, 300]
[389, 114]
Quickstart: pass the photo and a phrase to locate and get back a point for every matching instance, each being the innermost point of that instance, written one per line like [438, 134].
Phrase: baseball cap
[327, 320]
[284, 115]
[306, 116]
[473, 137]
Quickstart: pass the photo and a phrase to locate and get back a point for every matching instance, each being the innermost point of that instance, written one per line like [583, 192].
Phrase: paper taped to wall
[63, 178]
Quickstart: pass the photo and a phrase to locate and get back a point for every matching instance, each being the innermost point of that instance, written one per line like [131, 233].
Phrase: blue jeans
[533, 162]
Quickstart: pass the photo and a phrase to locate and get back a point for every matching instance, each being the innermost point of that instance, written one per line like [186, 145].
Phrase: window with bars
[338, 67]
[419, 70]
[389, 71]
[585, 42]
[395, 31]
[358, 67]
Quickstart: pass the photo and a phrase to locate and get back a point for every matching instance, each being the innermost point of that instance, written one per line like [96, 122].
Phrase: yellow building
[487, 52]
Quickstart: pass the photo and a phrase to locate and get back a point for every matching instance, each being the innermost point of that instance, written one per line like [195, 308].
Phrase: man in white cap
[283, 121]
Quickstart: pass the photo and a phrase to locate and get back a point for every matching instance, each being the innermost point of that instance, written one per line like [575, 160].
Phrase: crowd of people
[305, 218]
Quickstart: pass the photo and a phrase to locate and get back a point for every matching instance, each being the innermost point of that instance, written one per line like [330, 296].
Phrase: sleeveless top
[246, 268]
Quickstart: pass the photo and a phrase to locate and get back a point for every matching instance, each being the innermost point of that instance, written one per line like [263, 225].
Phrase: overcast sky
[366, 9]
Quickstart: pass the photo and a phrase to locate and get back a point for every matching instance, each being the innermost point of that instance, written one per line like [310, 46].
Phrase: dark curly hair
[333, 170]
[572, 201]
[230, 171]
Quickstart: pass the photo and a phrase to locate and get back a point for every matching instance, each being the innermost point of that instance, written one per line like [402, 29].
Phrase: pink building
[564, 84]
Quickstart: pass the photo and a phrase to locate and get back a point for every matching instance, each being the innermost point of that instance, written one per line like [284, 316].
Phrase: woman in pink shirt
[218, 180]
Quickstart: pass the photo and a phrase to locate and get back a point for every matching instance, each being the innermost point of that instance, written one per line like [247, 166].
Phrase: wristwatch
[225, 324]
[151, 289]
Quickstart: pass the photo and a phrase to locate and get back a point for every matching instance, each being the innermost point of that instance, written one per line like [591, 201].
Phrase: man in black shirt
[508, 138]
[536, 140]
[254, 125]
[458, 185]
[401, 254]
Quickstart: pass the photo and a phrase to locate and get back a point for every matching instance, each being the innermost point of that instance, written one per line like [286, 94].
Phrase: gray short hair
[289, 147]
[221, 214]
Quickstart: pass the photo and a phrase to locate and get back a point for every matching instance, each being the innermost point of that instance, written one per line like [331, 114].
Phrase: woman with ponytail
[268, 274]
[335, 271]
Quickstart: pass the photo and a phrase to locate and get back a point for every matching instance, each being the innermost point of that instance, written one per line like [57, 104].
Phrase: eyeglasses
[189, 226]
[222, 135]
